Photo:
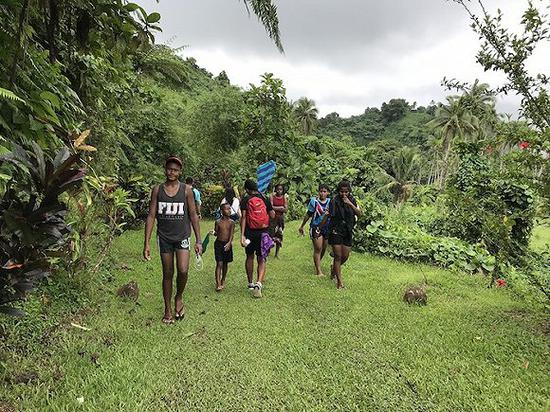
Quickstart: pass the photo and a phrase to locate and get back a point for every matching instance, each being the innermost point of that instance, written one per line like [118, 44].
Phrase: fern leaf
[9, 95]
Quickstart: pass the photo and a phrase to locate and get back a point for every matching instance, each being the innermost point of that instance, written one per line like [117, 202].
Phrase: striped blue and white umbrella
[264, 174]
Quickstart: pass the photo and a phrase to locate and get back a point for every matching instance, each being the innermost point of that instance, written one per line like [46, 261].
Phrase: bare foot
[219, 288]
[167, 319]
[340, 286]
[320, 275]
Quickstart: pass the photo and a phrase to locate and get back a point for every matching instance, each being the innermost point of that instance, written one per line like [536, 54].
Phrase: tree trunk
[53, 24]
[22, 18]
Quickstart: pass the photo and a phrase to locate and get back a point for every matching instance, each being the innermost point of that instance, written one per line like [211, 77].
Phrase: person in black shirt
[173, 206]
[342, 211]
[256, 212]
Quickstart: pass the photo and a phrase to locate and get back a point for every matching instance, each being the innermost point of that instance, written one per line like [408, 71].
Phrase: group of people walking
[176, 208]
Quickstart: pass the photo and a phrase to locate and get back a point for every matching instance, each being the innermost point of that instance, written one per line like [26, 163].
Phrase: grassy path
[304, 346]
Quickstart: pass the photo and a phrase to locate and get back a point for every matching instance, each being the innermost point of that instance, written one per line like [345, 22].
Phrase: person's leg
[337, 265]
[167, 260]
[224, 274]
[324, 247]
[249, 266]
[252, 249]
[277, 247]
[218, 275]
[182, 258]
[317, 253]
[261, 269]
[345, 254]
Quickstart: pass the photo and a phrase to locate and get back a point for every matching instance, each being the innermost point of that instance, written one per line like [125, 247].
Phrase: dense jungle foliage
[90, 107]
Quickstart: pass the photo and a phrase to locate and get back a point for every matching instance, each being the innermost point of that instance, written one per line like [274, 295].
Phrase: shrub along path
[304, 346]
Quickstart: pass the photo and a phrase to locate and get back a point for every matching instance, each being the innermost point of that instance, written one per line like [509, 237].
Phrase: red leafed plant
[32, 218]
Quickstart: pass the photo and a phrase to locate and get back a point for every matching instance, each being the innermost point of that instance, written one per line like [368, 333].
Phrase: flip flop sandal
[180, 314]
[167, 321]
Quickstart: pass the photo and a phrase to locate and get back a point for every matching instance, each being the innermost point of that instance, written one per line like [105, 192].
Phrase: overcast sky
[344, 54]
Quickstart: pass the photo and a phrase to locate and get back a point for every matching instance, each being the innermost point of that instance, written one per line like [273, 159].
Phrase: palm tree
[401, 178]
[266, 11]
[453, 121]
[479, 100]
[306, 113]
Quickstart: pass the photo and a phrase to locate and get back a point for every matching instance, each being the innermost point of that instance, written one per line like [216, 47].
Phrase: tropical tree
[306, 113]
[266, 11]
[507, 52]
[401, 178]
[453, 121]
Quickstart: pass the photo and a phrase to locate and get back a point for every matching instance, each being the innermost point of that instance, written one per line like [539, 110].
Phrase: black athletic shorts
[222, 255]
[315, 232]
[343, 237]
[170, 247]
[255, 237]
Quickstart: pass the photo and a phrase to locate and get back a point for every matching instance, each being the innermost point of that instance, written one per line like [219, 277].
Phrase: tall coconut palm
[453, 121]
[266, 11]
[479, 100]
[306, 113]
[401, 178]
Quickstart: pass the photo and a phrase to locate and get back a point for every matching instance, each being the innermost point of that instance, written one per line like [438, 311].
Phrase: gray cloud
[345, 54]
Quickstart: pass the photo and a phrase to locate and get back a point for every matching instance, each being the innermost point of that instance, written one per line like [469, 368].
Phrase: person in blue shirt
[317, 209]
[196, 194]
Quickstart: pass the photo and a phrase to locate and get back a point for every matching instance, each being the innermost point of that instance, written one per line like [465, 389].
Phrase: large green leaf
[52, 98]
[153, 18]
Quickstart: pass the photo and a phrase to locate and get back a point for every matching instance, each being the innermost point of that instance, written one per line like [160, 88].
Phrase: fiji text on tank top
[173, 222]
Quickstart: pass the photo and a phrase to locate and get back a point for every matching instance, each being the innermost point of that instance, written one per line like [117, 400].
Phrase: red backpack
[256, 213]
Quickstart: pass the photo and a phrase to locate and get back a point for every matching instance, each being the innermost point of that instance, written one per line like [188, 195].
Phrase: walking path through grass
[304, 346]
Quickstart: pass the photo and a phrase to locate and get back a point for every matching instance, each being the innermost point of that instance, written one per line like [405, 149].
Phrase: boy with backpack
[256, 212]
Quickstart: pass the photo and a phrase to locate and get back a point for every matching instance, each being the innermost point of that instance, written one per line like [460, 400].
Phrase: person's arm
[301, 228]
[353, 206]
[269, 208]
[230, 243]
[243, 228]
[285, 207]
[198, 202]
[328, 214]
[198, 207]
[243, 220]
[150, 223]
[190, 199]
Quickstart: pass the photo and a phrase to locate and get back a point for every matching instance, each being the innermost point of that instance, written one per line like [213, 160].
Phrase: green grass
[304, 346]
[540, 239]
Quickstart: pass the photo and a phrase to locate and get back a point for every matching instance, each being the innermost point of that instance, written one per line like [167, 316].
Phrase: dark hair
[251, 185]
[229, 194]
[173, 159]
[189, 180]
[342, 184]
[324, 186]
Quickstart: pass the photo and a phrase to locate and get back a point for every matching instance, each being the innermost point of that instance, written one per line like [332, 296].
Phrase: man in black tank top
[173, 205]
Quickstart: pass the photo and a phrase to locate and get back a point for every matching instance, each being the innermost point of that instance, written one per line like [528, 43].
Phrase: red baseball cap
[174, 159]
